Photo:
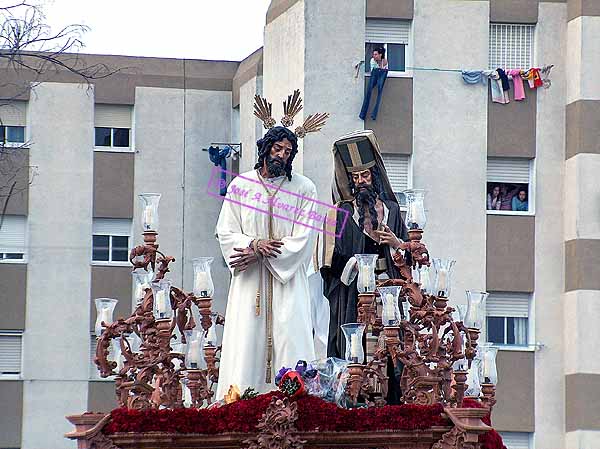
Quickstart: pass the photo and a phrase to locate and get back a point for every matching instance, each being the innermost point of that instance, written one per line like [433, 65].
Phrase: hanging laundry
[534, 78]
[499, 95]
[517, 84]
[474, 76]
[504, 79]
[545, 74]
[219, 158]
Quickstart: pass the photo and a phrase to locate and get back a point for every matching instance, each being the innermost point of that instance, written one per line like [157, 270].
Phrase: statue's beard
[366, 198]
[275, 166]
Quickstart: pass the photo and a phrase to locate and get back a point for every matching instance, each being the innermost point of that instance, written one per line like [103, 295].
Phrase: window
[10, 353]
[508, 318]
[110, 240]
[511, 46]
[112, 127]
[509, 186]
[393, 36]
[516, 440]
[12, 123]
[12, 238]
[397, 167]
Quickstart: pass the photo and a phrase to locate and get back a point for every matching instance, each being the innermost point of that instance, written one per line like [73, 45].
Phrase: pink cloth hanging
[517, 84]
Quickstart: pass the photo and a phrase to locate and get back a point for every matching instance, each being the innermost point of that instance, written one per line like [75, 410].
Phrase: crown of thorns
[264, 111]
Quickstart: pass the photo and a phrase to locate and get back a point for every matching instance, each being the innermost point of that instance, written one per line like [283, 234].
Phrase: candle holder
[459, 386]
[203, 283]
[488, 390]
[489, 373]
[197, 383]
[366, 308]
[443, 277]
[195, 343]
[390, 313]
[416, 218]
[355, 381]
[161, 300]
[150, 214]
[354, 337]
[142, 280]
[104, 313]
[366, 272]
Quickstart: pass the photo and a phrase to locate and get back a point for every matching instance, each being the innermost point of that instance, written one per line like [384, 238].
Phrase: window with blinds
[516, 440]
[13, 119]
[112, 126]
[509, 185]
[397, 167]
[393, 37]
[110, 240]
[12, 238]
[10, 353]
[511, 46]
[508, 318]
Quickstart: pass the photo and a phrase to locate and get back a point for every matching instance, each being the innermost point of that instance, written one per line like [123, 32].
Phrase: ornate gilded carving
[277, 427]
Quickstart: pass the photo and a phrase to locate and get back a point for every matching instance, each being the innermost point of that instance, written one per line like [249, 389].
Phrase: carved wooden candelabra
[152, 377]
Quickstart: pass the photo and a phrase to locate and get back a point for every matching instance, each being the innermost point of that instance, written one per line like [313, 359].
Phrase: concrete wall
[207, 115]
[159, 166]
[56, 338]
[251, 128]
[450, 134]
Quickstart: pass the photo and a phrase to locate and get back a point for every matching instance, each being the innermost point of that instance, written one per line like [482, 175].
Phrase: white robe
[243, 358]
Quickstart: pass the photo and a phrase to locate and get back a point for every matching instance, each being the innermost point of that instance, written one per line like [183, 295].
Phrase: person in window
[494, 200]
[507, 195]
[379, 72]
[519, 202]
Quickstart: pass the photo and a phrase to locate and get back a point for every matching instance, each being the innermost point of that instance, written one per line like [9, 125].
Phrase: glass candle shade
[391, 313]
[203, 284]
[488, 372]
[178, 348]
[366, 272]
[211, 334]
[104, 313]
[135, 342]
[426, 278]
[354, 336]
[150, 210]
[194, 353]
[415, 215]
[475, 313]
[473, 387]
[443, 276]
[161, 292]
[142, 280]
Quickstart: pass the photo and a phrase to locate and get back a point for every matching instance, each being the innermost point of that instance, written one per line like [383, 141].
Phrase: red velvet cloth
[243, 416]
[491, 439]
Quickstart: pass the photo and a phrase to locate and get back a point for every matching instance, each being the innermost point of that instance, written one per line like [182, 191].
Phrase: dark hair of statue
[276, 134]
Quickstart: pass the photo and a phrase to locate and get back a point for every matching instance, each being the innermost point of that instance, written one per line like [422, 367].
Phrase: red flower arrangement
[243, 416]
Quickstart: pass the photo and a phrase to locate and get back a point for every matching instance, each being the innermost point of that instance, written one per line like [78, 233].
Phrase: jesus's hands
[244, 257]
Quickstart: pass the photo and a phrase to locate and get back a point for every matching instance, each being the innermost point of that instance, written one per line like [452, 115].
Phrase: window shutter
[112, 116]
[511, 46]
[514, 305]
[10, 353]
[515, 440]
[13, 113]
[383, 31]
[506, 169]
[396, 166]
[111, 226]
[12, 234]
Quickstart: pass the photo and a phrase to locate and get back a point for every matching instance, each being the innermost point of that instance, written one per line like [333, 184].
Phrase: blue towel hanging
[219, 158]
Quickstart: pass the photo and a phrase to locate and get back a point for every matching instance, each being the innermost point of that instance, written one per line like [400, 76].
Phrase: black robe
[342, 298]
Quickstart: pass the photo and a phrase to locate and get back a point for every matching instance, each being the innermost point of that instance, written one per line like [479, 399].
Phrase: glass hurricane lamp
[104, 313]
[150, 210]
[354, 337]
[203, 283]
[366, 272]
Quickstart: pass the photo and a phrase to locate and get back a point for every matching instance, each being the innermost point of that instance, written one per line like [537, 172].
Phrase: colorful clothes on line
[504, 79]
[474, 76]
[499, 95]
[517, 84]
[534, 78]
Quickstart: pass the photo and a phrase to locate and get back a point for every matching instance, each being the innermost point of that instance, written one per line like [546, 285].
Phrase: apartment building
[65, 236]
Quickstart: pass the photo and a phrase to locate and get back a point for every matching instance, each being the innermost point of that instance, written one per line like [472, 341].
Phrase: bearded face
[275, 166]
[366, 197]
